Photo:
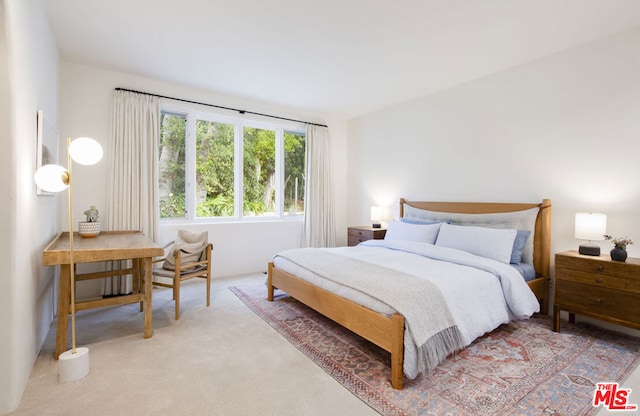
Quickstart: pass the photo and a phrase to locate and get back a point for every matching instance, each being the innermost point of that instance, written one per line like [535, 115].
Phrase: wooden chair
[182, 272]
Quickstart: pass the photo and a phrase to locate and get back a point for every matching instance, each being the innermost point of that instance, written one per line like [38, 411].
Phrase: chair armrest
[203, 262]
[164, 248]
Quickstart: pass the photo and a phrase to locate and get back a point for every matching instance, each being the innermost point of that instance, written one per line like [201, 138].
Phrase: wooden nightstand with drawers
[597, 287]
[363, 233]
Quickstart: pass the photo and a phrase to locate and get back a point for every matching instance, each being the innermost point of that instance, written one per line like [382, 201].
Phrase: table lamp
[74, 364]
[590, 226]
[376, 217]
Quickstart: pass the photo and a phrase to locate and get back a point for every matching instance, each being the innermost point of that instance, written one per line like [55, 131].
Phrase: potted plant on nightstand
[90, 227]
[619, 251]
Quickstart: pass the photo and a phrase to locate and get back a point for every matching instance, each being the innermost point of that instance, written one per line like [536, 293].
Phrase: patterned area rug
[522, 368]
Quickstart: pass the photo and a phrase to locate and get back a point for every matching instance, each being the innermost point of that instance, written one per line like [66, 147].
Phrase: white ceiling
[340, 57]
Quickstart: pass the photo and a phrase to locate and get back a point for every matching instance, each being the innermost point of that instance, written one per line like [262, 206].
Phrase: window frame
[280, 127]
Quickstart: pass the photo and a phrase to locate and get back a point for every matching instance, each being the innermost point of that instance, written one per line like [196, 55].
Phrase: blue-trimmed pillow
[518, 246]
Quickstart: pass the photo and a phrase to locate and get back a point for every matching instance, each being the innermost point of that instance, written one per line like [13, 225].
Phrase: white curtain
[132, 194]
[319, 217]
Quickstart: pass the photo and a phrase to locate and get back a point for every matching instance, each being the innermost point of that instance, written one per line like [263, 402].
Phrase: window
[172, 185]
[259, 175]
[294, 173]
[215, 167]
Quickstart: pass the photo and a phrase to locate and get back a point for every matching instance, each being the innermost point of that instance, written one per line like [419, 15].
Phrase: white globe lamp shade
[52, 178]
[85, 151]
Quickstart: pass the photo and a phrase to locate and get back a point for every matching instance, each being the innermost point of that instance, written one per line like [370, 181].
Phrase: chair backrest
[191, 245]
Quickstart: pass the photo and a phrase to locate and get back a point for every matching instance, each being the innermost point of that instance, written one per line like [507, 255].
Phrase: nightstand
[364, 233]
[597, 287]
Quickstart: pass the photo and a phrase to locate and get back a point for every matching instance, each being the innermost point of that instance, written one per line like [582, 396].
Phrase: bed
[389, 329]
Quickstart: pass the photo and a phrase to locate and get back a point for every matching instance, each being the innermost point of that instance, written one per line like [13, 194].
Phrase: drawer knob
[598, 280]
[599, 268]
[599, 300]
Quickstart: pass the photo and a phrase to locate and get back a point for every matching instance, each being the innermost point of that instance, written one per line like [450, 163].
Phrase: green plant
[92, 214]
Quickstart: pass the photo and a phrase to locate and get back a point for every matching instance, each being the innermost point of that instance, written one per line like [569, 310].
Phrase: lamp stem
[72, 272]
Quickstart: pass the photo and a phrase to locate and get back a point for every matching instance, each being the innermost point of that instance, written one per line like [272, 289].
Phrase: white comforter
[481, 293]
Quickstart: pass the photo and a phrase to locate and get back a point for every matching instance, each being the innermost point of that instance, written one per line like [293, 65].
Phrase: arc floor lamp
[74, 364]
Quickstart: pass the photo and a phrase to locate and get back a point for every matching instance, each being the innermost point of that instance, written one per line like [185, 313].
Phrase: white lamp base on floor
[73, 366]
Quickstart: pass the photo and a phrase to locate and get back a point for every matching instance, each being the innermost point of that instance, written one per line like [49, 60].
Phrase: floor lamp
[74, 364]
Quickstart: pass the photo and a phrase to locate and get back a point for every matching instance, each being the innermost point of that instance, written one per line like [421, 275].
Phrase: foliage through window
[214, 167]
[172, 185]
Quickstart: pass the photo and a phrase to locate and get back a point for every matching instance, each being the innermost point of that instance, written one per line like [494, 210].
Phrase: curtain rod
[219, 106]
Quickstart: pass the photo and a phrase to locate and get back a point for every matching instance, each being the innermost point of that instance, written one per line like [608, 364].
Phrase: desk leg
[137, 278]
[147, 287]
[64, 300]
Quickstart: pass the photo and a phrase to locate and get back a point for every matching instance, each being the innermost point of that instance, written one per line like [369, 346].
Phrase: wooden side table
[597, 287]
[363, 233]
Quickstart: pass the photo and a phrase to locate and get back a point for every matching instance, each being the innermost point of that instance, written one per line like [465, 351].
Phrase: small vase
[618, 254]
[88, 229]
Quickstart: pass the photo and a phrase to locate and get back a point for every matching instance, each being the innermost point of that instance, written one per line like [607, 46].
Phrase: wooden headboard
[542, 233]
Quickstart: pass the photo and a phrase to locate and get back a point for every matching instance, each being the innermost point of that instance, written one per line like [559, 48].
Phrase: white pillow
[520, 220]
[398, 230]
[493, 243]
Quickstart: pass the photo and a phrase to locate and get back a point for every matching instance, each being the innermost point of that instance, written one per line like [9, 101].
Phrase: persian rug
[521, 368]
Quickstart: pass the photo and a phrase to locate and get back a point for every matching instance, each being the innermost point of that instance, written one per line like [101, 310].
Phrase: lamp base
[376, 225]
[589, 249]
[72, 366]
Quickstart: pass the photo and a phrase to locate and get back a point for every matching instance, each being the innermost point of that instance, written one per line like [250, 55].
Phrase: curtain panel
[132, 198]
[319, 217]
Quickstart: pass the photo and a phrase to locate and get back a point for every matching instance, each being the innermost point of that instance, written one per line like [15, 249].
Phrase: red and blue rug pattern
[521, 368]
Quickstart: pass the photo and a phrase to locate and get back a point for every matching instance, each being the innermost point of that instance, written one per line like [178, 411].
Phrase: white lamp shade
[590, 226]
[85, 151]
[376, 214]
[51, 178]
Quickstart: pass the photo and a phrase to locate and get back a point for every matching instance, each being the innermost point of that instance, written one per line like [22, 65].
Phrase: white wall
[565, 127]
[29, 82]
[238, 247]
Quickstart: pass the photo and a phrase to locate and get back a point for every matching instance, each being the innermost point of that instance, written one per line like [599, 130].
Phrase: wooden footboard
[384, 331]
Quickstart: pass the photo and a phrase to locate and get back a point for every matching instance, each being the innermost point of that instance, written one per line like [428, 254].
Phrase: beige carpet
[222, 360]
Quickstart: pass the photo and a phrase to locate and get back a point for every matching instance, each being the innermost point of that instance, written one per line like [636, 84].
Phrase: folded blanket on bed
[426, 313]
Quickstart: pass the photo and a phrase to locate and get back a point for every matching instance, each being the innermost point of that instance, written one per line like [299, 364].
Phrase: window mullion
[279, 148]
[238, 168]
[190, 155]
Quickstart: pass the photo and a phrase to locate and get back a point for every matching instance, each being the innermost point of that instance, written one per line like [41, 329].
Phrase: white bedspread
[481, 293]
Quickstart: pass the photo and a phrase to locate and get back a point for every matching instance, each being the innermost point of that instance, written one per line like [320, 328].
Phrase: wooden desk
[109, 245]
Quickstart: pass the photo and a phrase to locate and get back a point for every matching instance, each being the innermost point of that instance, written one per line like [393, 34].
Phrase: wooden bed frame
[388, 332]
